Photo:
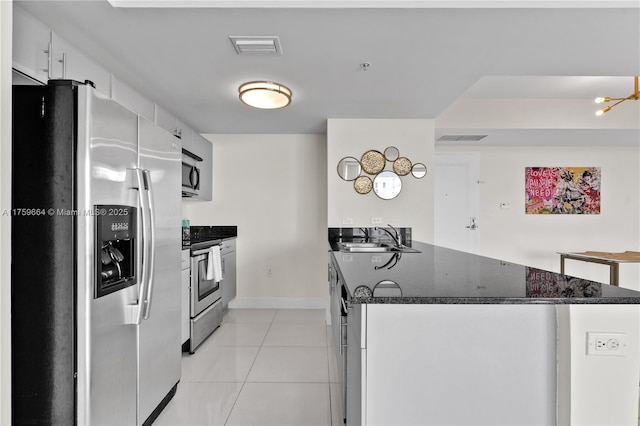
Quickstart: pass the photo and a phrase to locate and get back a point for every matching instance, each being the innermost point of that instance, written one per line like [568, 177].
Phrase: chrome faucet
[397, 238]
[365, 231]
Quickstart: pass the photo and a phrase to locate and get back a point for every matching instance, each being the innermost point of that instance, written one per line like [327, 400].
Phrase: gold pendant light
[635, 96]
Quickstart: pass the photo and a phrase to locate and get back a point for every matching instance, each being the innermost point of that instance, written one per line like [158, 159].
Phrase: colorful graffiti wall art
[562, 190]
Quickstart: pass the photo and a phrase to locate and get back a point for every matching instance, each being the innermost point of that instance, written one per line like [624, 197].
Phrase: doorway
[457, 201]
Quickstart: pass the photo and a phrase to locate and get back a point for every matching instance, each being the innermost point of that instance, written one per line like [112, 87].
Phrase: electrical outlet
[347, 221]
[376, 220]
[610, 344]
[269, 273]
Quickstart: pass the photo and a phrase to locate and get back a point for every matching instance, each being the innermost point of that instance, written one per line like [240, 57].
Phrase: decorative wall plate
[363, 185]
[402, 166]
[372, 162]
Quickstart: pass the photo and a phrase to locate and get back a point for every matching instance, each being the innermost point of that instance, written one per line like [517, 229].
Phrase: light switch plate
[347, 221]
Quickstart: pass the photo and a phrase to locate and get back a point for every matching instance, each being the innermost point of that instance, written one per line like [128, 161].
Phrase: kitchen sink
[363, 245]
[354, 247]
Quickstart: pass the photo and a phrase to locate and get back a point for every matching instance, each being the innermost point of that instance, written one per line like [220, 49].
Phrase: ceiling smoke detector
[256, 45]
[461, 138]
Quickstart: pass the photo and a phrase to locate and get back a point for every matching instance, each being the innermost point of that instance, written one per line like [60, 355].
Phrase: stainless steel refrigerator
[95, 269]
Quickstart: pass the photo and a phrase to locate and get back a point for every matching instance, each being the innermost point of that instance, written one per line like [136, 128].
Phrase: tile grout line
[326, 335]
[244, 382]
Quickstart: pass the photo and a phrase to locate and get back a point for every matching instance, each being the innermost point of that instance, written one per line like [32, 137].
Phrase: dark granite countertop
[207, 235]
[438, 275]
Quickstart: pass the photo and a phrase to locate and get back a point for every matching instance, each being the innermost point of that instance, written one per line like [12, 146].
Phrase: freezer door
[107, 155]
[159, 345]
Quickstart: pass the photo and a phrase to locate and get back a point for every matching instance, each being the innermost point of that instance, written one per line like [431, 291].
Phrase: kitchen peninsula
[445, 337]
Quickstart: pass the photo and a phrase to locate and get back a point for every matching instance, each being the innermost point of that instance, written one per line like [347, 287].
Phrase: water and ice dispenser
[115, 248]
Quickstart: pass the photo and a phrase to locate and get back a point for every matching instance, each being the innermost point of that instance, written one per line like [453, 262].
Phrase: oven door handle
[151, 249]
[204, 251]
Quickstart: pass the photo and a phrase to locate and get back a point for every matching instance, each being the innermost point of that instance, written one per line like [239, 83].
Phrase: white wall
[471, 113]
[6, 27]
[273, 187]
[534, 239]
[414, 206]
[596, 389]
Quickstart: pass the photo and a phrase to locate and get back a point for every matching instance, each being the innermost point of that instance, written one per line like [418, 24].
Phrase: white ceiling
[422, 59]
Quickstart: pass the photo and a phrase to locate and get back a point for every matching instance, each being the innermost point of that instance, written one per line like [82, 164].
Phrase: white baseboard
[276, 303]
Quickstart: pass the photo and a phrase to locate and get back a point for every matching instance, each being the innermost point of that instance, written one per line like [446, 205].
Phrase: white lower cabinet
[356, 365]
[419, 363]
[228, 253]
[450, 364]
[185, 283]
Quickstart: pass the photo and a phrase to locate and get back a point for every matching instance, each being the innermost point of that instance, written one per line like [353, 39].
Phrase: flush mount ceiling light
[635, 96]
[265, 94]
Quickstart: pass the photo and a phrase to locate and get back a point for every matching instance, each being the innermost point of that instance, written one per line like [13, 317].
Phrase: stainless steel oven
[204, 292]
[206, 303]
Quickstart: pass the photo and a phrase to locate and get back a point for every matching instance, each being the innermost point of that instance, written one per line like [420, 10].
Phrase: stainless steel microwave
[190, 174]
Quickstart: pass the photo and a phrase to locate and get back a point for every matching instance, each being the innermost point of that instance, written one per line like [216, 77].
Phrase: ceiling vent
[256, 45]
[460, 138]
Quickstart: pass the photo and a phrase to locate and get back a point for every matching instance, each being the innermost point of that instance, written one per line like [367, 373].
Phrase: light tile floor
[261, 367]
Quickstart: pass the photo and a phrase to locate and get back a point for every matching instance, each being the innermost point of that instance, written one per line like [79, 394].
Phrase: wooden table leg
[614, 273]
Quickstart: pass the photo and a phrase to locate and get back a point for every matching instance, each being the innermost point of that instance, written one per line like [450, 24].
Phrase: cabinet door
[165, 119]
[132, 99]
[186, 134]
[228, 273]
[203, 148]
[184, 323]
[170, 123]
[70, 63]
[31, 40]
[354, 366]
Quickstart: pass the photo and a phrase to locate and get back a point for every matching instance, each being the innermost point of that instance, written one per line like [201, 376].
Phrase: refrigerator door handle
[135, 311]
[151, 247]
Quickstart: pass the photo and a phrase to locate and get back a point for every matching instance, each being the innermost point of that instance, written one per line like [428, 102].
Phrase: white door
[456, 201]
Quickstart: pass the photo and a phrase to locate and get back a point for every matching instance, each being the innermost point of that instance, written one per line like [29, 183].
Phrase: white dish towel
[214, 264]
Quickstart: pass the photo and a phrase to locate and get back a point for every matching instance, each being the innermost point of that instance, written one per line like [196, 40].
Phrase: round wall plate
[372, 162]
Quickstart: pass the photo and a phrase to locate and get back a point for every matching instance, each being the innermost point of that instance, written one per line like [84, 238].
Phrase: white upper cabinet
[31, 41]
[185, 133]
[69, 63]
[132, 99]
[165, 119]
[203, 148]
[170, 123]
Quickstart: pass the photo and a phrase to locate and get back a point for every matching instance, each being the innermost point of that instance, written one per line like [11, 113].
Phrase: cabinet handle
[49, 61]
[342, 344]
[63, 61]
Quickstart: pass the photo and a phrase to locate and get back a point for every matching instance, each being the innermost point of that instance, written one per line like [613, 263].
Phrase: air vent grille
[256, 45]
[461, 138]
